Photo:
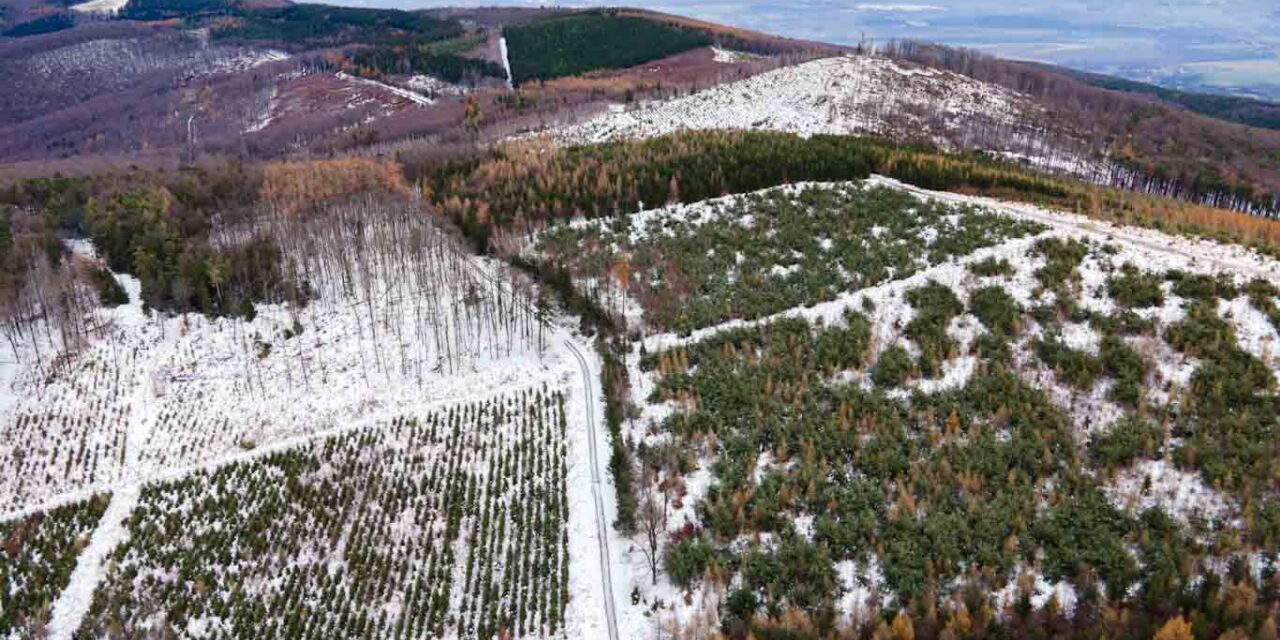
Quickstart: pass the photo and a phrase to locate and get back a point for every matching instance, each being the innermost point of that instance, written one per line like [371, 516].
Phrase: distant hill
[1239, 109]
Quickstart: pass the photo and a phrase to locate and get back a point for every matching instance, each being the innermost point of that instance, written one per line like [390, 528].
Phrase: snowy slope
[1147, 483]
[842, 95]
[156, 398]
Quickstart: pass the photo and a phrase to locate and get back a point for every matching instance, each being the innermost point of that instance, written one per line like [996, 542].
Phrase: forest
[44, 24]
[833, 410]
[299, 24]
[1250, 111]
[709, 267]
[1214, 161]
[826, 452]
[161, 234]
[504, 198]
[31, 580]
[413, 59]
[323, 25]
[576, 44]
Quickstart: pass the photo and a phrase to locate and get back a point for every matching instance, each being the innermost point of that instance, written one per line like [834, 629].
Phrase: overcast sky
[1221, 42]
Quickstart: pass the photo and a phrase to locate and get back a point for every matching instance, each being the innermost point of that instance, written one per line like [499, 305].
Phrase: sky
[1220, 44]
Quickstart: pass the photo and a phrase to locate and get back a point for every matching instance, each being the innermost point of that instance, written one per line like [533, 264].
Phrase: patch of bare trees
[419, 301]
[44, 301]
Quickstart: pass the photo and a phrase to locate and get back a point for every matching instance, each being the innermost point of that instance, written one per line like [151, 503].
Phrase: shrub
[935, 306]
[1084, 531]
[742, 604]
[1202, 332]
[1200, 286]
[110, 293]
[1135, 288]
[799, 574]
[1062, 258]
[687, 559]
[1076, 368]
[1125, 322]
[991, 267]
[1229, 381]
[837, 349]
[996, 309]
[1126, 368]
[894, 367]
[995, 350]
[1266, 528]
[1127, 440]
[1262, 295]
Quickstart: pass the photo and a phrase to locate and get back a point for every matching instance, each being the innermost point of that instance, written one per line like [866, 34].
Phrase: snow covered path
[602, 521]
[74, 601]
[1228, 257]
[506, 62]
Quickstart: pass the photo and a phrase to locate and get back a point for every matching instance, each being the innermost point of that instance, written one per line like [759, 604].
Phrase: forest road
[602, 524]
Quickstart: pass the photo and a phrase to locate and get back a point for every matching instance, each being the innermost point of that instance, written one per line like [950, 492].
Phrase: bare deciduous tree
[652, 518]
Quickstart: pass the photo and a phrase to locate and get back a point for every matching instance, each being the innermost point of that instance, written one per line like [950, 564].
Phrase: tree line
[500, 200]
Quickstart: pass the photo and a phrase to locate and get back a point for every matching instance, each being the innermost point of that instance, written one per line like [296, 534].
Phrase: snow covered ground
[100, 6]
[156, 398]
[412, 96]
[1146, 483]
[840, 95]
[506, 60]
[431, 86]
[126, 58]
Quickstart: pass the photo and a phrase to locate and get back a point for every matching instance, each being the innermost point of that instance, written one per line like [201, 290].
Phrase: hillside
[331, 322]
[1238, 109]
[857, 96]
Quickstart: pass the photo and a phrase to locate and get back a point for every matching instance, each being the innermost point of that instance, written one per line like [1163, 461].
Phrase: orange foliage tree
[298, 187]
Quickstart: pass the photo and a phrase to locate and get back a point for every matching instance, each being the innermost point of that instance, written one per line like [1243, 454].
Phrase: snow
[1081, 337]
[779, 271]
[839, 95]
[594, 544]
[156, 394]
[75, 600]
[432, 86]
[1134, 244]
[411, 96]
[190, 392]
[1090, 410]
[726, 56]
[125, 59]
[864, 583]
[506, 62]
[1255, 333]
[266, 111]
[1039, 588]
[101, 6]
[1182, 494]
